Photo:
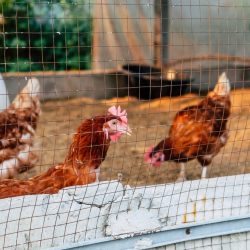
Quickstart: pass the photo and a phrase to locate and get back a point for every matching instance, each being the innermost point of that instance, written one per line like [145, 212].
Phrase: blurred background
[84, 34]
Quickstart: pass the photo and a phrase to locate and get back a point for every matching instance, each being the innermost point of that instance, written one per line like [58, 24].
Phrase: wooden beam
[165, 30]
[157, 35]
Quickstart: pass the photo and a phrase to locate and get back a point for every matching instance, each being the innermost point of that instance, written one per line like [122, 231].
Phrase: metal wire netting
[152, 58]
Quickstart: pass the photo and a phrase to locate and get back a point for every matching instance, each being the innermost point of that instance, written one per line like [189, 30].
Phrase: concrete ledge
[99, 84]
[109, 209]
[104, 84]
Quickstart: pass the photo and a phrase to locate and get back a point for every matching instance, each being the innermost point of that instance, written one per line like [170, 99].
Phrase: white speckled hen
[17, 129]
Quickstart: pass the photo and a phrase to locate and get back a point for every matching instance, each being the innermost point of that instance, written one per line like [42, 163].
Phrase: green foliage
[45, 35]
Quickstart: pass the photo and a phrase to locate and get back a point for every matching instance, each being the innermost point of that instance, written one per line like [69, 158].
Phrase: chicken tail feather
[29, 92]
[32, 87]
[222, 87]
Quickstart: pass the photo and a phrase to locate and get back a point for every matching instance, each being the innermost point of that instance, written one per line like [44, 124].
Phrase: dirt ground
[150, 122]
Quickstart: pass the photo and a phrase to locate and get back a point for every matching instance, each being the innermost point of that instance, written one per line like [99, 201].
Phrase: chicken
[4, 100]
[82, 163]
[17, 129]
[198, 132]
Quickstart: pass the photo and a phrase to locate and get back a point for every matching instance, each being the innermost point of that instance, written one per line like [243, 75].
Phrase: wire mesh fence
[71, 174]
[235, 241]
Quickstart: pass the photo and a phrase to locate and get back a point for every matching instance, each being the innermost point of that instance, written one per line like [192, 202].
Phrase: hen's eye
[113, 122]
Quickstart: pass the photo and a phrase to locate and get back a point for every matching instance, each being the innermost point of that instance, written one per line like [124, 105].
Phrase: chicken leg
[203, 172]
[182, 175]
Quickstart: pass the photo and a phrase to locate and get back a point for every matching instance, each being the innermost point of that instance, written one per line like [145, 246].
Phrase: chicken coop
[125, 124]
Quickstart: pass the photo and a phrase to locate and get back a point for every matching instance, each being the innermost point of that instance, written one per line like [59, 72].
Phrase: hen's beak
[125, 129]
[128, 131]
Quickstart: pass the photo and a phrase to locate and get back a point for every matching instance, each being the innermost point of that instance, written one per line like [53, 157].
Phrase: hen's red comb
[118, 112]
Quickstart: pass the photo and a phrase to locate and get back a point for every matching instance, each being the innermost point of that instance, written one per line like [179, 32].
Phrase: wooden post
[161, 28]
[158, 35]
[165, 30]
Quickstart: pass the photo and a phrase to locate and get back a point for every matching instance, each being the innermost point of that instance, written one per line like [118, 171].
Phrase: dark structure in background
[161, 33]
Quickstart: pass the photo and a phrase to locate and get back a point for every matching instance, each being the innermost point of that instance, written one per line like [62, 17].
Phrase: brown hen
[81, 166]
[198, 132]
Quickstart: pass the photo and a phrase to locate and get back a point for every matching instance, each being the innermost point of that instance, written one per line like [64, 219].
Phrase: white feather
[222, 87]
[32, 87]
[23, 155]
[4, 97]
[7, 167]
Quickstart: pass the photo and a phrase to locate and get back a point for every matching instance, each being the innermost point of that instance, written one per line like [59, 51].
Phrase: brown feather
[87, 151]
[197, 131]
[89, 146]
